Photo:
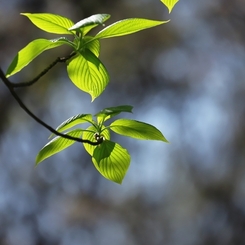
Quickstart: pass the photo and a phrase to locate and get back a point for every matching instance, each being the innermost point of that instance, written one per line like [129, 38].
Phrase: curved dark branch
[9, 85]
[58, 60]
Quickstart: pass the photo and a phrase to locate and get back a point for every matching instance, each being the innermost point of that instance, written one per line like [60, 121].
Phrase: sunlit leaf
[127, 26]
[88, 73]
[89, 134]
[73, 121]
[111, 160]
[87, 24]
[169, 4]
[51, 22]
[31, 51]
[56, 145]
[137, 130]
[92, 45]
[110, 112]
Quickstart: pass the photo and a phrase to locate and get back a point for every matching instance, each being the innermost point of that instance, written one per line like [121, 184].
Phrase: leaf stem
[10, 86]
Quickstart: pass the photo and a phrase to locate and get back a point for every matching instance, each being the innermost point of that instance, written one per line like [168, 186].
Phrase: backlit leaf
[51, 22]
[88, 73]
[111, 160]
[127, 26]
[137, 130]
[56, 145]
[92, 45]
[31, 51]
[89, 134]
[169, 4]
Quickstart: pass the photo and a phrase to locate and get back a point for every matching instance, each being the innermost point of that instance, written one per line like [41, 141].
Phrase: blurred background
[186, 77]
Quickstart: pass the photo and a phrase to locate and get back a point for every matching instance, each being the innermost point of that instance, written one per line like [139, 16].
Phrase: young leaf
[92, 45]
[169, 4]
[111, 160]
[127, 26]
[73, 121]
[56, 145]
[31, 51]
[88, 73]
[51, 22]
[110, 112]
[87, 24]
[89, 134]
[137, 130]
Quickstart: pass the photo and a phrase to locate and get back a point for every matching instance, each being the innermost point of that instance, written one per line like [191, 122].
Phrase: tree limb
[10, 86]
[58, 60]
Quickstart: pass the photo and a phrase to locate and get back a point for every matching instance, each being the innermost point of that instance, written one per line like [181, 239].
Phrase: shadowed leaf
[73, 121]
[110, 112]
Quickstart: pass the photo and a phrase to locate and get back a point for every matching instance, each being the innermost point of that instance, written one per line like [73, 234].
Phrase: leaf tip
[164, 139]
[37, 161]
[93, 95]
[169, 4]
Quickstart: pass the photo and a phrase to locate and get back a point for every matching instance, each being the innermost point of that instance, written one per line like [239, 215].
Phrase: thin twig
[52, 130]
[58, 60]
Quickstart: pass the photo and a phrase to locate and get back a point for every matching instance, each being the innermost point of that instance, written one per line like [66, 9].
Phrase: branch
[58, 60]
[9, 85]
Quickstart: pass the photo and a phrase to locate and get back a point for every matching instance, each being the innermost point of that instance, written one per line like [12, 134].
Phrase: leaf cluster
[87, 72]
[84, 69]
[109, 158]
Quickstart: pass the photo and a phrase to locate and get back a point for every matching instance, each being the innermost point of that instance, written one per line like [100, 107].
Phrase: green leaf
[169, 4]
[111, 160]
[137, 130]
[56, 145]
[31, 51]
[110, 112]
[127, 26]
[88, 73]
[89, 134]
[92, 45]
[51, 22]
[87, 24]
[73, 121]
